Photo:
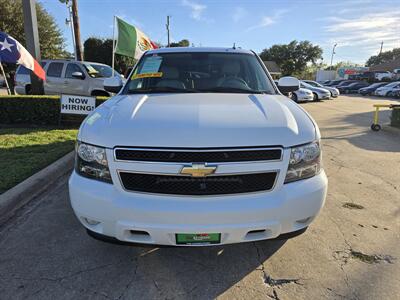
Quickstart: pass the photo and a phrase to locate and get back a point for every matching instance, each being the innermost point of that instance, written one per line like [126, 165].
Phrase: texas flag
[13, 52]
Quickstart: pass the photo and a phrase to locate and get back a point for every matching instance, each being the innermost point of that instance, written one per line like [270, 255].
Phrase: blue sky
[358, 26]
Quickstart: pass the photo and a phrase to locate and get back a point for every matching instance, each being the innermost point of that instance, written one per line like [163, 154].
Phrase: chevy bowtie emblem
[198, 170]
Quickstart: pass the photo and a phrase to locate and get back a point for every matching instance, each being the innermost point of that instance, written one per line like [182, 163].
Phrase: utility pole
[77, 32]
[333, 53]
[32, 41]
[167, 25]
[381, 48]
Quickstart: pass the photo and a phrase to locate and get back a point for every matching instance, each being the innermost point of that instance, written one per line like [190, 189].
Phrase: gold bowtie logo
[198, 170]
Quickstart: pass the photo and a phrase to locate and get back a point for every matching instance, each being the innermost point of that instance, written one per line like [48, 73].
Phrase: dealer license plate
[197, 238]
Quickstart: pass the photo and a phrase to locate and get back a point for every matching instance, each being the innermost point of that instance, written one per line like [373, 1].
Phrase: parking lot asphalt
[350, 252]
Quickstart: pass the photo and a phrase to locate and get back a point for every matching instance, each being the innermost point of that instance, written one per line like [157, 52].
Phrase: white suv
[67, 77]
[198, 148]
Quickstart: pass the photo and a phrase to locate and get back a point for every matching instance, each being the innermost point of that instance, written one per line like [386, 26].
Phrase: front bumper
[155, 219]
[305, 97]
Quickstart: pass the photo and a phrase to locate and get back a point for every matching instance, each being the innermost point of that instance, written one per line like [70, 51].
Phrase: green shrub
[395, 119]
[35, 110]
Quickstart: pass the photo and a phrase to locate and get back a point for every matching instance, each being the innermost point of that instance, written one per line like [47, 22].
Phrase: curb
[28, 189]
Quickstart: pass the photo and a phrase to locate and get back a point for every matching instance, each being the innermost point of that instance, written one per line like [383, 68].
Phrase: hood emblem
[198, 170]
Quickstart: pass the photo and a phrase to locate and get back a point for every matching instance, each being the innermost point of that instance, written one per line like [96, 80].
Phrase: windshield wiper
[222, 89]
[161, 89]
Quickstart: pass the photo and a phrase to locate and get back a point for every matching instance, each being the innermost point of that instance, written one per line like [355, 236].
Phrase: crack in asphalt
[136, 260]
[265, 275]
[336, 293]
[274, 295]
[271, 282]
[280, 282]
[343, 262]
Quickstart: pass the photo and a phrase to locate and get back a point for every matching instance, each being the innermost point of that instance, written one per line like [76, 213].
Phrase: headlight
[305, 162]
[91, 162]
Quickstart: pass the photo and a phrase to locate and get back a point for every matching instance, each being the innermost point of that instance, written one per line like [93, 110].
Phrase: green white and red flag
[131, 41]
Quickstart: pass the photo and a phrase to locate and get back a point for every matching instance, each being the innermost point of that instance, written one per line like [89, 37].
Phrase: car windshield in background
[377, 85]
[199, 72]
[306, 85]
[315, 84]
[98, 71]
[392, 84]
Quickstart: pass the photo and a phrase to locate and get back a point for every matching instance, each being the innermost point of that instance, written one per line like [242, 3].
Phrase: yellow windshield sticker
[146, 75]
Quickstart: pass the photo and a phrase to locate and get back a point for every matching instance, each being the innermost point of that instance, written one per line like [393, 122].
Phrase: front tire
[28, 89]
[315, 97]
[376, 127]
[294, 97]
[389, 94]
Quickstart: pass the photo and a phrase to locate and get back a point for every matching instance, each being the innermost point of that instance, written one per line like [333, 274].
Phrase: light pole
[333, 53]
[68, 22]
[32, 41]
[167, 25]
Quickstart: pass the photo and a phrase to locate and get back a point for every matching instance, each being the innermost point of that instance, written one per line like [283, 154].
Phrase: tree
[342, 64]
[100, 50]
[181, 43]
[383, 57]
[293, 57]
[51, 39]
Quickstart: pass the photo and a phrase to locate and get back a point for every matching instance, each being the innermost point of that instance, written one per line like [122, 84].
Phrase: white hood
[198, 120]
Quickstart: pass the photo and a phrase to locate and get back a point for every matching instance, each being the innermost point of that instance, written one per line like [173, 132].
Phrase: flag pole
[113, 49]
[5, 78]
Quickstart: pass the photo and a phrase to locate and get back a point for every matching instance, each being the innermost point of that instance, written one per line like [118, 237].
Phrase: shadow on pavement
[45, 252]
[356, 130]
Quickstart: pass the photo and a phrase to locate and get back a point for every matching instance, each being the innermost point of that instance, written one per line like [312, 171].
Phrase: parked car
[352, 87]
[388, 89]
[383, 75]
[325, 82]
[67, 77]
[319, 93]
[344, 83]
[162, 162]
[302, 95]
[333, 83]
[369, 90]
[334, 91]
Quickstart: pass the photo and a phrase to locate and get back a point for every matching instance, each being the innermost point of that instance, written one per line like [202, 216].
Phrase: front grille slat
[185, 185]
[198, 156]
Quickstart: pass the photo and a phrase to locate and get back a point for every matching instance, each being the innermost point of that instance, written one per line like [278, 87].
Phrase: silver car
[302, 95]
[67, 77]
[318, 93]
[334, 91]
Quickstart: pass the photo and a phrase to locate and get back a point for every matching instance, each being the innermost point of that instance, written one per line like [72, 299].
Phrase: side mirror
[113, 84]
[288, 84]
[78, 75]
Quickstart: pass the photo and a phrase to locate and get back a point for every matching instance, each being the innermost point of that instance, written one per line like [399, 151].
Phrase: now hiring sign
[77, 105]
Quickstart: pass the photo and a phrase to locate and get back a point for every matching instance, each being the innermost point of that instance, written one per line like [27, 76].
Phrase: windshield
[392, 84]
[99, 71]
[314, 83]
[306, 85]
[199, 72]
[376, 84]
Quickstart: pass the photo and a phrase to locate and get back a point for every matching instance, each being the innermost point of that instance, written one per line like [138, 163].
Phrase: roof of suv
[198, 49]
[72, 61]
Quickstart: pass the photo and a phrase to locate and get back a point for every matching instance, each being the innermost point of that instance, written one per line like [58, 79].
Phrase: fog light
[91, 222]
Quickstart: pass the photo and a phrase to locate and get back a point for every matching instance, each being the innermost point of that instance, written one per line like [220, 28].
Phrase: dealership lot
[351, 251]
